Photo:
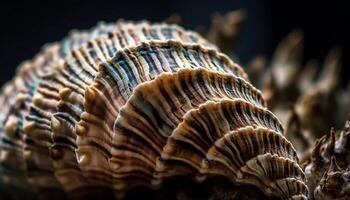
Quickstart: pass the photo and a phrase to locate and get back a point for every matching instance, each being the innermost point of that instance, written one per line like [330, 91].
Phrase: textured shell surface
[327, 170]
[135, 104]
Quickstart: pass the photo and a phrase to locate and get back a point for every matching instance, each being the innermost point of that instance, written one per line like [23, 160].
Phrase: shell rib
[71, 94]
[17, 99]
[135, 104]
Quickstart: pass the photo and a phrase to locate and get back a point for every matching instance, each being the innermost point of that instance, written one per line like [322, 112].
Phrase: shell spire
[128, 105]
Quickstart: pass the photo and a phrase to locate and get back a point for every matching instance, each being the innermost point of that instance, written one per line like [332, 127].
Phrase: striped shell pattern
[133, 104]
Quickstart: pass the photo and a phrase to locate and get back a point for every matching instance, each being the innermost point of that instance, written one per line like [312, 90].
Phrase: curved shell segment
[134, 104]
[65, 79]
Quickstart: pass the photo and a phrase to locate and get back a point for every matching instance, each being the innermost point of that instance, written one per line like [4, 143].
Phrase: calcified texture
[328, 169]
[136, 104]
[309, 99]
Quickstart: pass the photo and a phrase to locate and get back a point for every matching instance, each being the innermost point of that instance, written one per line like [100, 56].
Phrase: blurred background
[28, 26]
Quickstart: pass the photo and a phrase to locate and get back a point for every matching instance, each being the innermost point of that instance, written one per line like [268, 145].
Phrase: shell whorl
[133, 104]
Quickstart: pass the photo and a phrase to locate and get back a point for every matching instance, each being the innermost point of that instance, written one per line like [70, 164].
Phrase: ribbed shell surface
[133, 104]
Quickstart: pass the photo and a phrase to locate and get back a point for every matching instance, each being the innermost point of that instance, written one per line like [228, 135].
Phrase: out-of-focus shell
[226, 28]
[16, 100]
[314, 92]
[135, 104]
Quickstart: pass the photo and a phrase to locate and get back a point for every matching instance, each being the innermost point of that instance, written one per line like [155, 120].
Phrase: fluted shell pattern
[134, 104]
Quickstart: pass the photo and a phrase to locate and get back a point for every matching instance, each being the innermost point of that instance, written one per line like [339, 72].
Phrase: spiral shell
[135, 104]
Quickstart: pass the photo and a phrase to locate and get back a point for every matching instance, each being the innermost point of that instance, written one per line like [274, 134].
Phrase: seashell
[20, 94]
[306, 100]
[327, 170]
[334, 183]
[37, 125]
[16, 101]
[128, 105]
[71, 105]
[316, 103]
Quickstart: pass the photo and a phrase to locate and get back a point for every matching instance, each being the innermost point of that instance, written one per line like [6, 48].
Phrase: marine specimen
[130, 106]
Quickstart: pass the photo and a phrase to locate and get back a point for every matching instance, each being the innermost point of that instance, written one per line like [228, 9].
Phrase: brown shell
[136, 104]
[327, 171]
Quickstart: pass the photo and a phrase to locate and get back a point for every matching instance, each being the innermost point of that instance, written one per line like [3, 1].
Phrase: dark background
[25, 27]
